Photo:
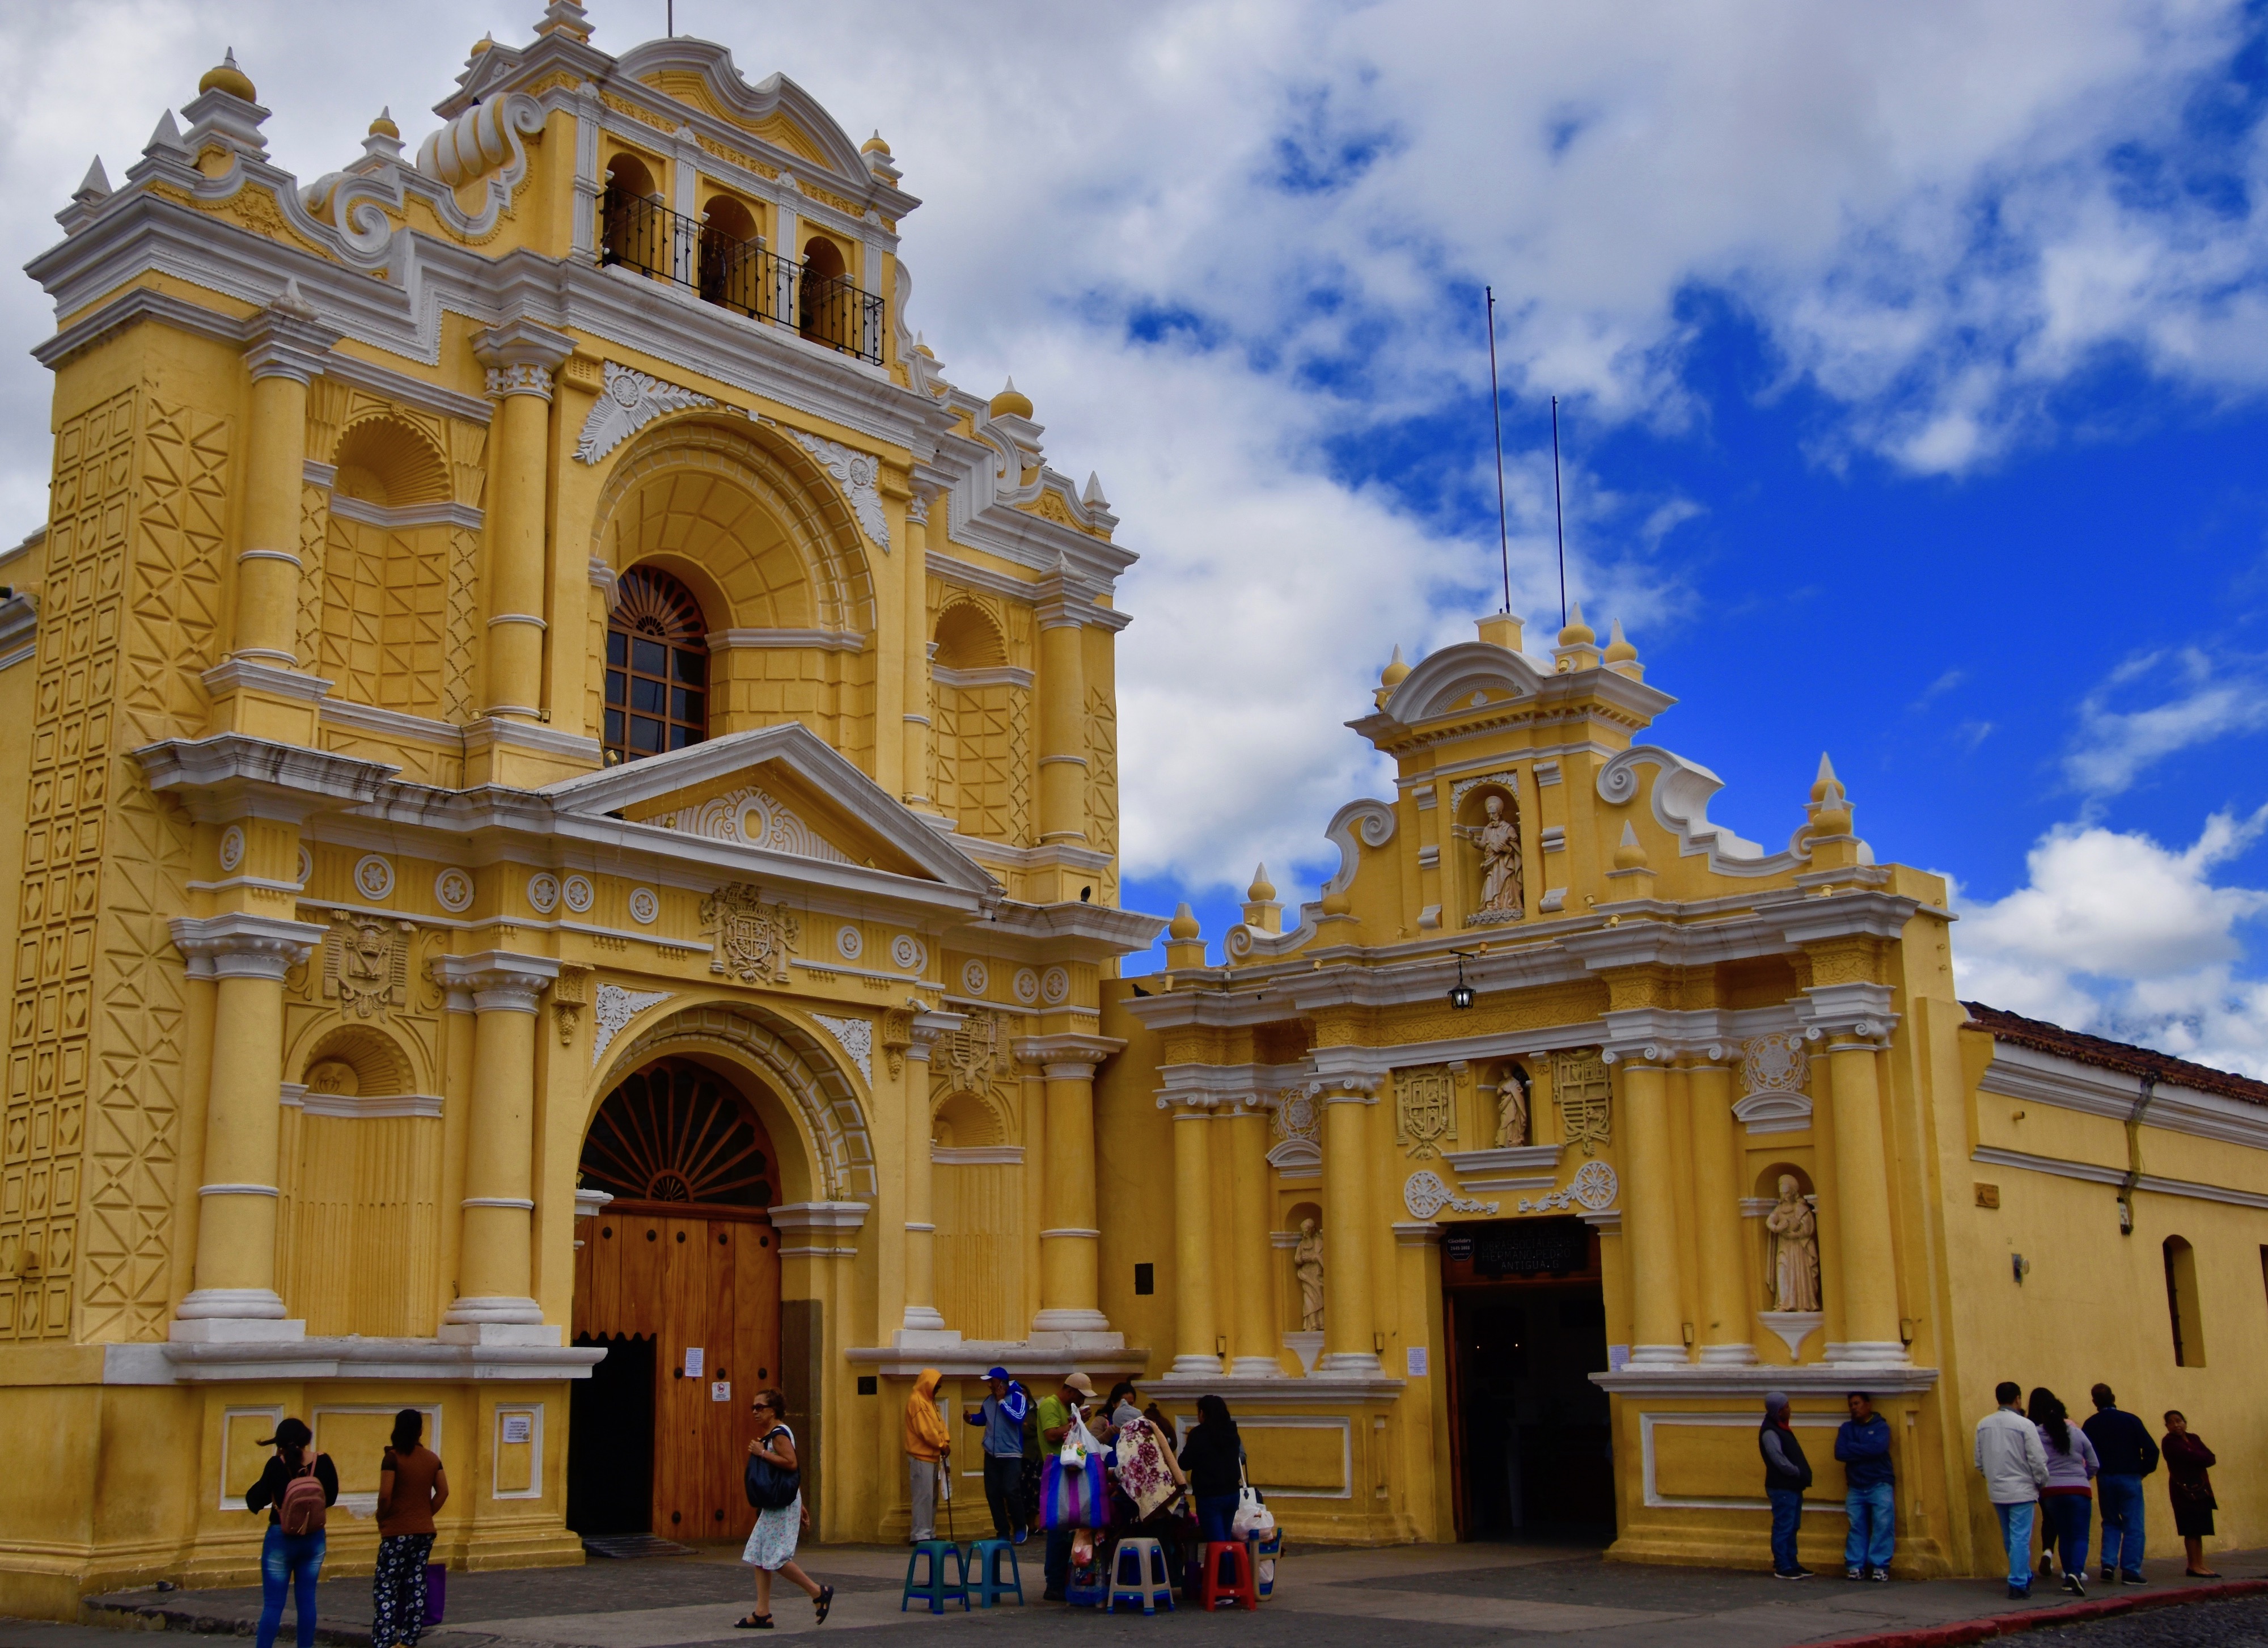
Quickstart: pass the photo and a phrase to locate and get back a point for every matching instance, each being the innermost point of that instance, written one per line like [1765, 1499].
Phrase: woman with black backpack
[775, 1486]
[297, 1492]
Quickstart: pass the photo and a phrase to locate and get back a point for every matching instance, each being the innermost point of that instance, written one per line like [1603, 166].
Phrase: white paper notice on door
[519, 1427]
[720, 1390]
[692, 1362]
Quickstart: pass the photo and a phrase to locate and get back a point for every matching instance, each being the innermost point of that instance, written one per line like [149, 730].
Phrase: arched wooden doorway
[682, 1266]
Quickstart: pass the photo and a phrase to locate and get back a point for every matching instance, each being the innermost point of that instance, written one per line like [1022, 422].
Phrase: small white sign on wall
[720, 1390]
[1617, 1358]
[1415, 1355]
[519, 1427]
[692, 1362]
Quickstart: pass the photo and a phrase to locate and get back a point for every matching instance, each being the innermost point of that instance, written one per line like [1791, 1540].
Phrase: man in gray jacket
[2015, 1464]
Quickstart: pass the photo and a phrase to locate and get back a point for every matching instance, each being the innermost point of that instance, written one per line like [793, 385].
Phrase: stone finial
[1619, 651]
[1262, 887]
[1093, 497]
[1395, 669]
[94, 187]
[225, 76]
[166, 138]
[1011, 402]
[1629, 854]
[1184, 944]
[1185, 924]
[1577, 633]
[1820, 784]
[567, 17]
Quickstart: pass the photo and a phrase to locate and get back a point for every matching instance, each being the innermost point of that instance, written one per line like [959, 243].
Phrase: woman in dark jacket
[2191, 1488]
[1214, 1457]
[290, 1562]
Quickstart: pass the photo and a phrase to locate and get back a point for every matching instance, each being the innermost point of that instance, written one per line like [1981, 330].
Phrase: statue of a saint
[1510, 1111]
[1794, 1231]
[1497, 838]
[1308, 1266]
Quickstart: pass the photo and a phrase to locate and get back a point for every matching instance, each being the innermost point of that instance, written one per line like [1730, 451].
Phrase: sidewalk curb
[1959, 1631]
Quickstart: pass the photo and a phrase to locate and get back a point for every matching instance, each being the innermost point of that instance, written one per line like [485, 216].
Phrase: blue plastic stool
[1151, 1582]
[982, 1573]
[1085, 1588]
[934, 1590]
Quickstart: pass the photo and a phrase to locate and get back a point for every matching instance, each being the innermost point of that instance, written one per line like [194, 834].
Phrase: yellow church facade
[568, 791]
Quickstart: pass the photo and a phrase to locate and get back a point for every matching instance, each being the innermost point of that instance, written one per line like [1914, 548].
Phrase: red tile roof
[2113, 1055]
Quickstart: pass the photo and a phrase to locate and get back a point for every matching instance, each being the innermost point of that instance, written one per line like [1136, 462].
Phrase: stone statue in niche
[1794, 1234]
[1510, 1111]
[1497, 838]
[1308, 1266]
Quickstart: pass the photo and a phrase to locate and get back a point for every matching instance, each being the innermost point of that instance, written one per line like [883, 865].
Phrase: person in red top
[411, 1487]
[2191, 1488]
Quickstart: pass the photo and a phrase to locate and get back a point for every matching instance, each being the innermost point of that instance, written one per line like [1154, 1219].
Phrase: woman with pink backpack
[297, 1490]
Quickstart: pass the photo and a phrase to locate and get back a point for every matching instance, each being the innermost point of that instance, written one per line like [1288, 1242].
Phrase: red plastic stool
[1237, 1590]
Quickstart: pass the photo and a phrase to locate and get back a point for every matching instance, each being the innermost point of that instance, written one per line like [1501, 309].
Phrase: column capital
[1068, 1057]
[1853, 1009]
[1347, 1086]
[287, 339]
[520, 357]
[501, 980]
[242, 945]
[924, 1030]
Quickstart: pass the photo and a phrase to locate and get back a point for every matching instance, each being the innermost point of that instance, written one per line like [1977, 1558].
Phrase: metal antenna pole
[1495, 409]
[1559, 511]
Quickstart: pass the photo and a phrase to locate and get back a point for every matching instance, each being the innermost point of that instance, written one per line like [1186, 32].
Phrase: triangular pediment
[775, 789]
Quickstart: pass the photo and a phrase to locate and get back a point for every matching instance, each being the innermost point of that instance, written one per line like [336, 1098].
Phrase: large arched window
[657, 668]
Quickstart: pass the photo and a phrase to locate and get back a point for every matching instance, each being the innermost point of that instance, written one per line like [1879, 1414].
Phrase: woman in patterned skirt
[411, 1487]
[771, 1542]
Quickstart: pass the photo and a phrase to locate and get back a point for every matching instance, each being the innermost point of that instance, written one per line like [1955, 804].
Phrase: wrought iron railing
[743, 275]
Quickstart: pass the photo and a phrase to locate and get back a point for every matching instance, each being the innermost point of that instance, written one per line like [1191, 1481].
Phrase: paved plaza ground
[1455, 1595]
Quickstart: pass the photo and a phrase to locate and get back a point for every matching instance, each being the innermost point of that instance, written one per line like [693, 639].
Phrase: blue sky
[1912, 363]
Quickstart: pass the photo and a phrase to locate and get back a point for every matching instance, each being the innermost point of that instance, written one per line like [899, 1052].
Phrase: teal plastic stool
[983, 1574]
[934, 1590]
[1151, 1583]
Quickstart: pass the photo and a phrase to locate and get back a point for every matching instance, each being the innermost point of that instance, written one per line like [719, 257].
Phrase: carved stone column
[1255, 1343]
[1347, 1323]
[1063, 715]
[520, 358]
[1862, 1217]
[920, 729]
[495, 1300]
[1650, 1214]
[1727, 1333]
[246, 957]
[922, 1315]
[1197, 1235]
[1070, 1280]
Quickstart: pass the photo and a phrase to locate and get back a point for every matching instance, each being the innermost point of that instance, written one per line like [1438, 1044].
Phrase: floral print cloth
[1141, 1468]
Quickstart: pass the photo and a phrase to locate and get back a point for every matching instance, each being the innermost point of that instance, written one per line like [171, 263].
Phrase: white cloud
[2115, 746]
[1915, 204]
[2119, 935]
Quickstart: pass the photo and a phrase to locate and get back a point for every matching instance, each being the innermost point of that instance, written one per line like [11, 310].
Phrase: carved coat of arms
[753, 940]
[367, 964]
[971, 1055]
[1424, 1110]
[1585, 1091]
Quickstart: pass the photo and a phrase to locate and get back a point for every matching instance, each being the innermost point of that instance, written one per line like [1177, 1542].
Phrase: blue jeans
[2121, 1501]
[2016, 1534]
[289, 1561]
[1787, 1513]
[1867, 1545]
[2067, 1515]
[1215, 1513]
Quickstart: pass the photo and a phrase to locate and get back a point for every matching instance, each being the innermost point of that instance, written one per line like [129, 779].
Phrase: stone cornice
[230, 775]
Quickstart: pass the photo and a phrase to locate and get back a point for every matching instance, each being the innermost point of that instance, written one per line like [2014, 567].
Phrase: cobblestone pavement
[1457, 1596]
[2243, 1623]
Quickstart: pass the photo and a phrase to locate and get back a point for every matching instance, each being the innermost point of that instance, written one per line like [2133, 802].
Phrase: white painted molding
[786, 641]
[2045, 1078]
[1832, 1380]
[976, 1155]
[2098, 1173]
[370, 1106]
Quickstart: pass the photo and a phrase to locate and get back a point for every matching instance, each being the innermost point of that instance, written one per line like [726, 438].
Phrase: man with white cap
[1786, 1474]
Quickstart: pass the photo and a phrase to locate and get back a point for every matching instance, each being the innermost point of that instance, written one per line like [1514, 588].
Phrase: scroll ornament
[628, 402]
[859, 475]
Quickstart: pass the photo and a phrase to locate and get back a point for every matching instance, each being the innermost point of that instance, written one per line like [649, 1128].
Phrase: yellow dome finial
[483, 44]
[384, 126]
[1183, 927]
[1619, 651]
[1010, 402]
[226, 76]
[874, 145]
[1628, 854]
[1577, 633]
[1262, 889]
[1395, 670]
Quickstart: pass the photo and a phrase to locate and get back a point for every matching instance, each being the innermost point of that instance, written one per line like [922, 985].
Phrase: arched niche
[380, 627]
[1492, 851]
[964, 1120]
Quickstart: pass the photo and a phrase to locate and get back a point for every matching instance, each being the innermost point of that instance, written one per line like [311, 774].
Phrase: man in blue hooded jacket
[1001, 1417]
[1863, 1445]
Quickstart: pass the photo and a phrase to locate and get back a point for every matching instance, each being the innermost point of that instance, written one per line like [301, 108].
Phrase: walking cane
[945, 1490]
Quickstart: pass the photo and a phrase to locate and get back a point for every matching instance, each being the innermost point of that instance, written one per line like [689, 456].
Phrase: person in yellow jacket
[929, 1446]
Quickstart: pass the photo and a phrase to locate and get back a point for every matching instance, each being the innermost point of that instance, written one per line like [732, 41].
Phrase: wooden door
[690, 1272]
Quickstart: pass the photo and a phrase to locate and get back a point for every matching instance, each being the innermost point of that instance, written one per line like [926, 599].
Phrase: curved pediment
[776, 109]
[1455, 677]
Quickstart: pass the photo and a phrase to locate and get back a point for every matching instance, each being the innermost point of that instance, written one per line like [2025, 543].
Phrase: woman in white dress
[771, 1542]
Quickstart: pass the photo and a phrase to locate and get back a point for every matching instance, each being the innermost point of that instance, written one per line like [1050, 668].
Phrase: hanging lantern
[1460, 993]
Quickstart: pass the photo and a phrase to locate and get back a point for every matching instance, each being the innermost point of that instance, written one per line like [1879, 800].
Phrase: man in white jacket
[2015, 1467]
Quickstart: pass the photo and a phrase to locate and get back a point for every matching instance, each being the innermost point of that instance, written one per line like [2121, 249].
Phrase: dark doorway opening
[610, 1431]
[1531, 1446]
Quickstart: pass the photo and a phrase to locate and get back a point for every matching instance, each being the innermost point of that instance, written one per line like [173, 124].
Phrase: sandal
[820, 1603]
[754, 1622]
